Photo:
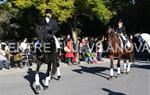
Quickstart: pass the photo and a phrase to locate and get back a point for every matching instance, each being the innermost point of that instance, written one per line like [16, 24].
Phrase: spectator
[84, 46]
[25, 48]
[76, 52]
[4, 62]
[99, 46]
[69, 51]
[89, 56]
[23, 45]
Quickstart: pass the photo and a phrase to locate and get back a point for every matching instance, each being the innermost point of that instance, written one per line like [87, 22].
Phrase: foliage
[62, 9]
[65, 9]
[26, 13]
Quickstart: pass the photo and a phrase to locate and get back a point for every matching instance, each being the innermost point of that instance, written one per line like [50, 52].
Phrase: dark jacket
[47, 30]
[121, 30]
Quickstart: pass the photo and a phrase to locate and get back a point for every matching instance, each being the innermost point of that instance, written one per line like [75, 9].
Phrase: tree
[139, 16]
[26, 13]
[69, 11]
[6, 14]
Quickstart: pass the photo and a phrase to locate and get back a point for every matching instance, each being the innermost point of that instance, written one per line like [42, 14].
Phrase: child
[99, 47]
[69, 54]
[94, 58]
[89, 56]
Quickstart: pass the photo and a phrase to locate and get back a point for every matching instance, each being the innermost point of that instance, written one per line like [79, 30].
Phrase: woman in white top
[23, 45]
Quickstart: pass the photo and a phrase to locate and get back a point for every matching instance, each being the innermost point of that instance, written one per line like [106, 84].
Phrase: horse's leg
[58, 70]
[111, 68]
[118, 67]
[37, 78]
[128, 67]
[129, 63]
[58, 54]
[125, 66]
[47, 76]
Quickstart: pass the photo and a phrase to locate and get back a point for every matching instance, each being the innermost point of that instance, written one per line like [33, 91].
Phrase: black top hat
[48, 11]
[120, 20]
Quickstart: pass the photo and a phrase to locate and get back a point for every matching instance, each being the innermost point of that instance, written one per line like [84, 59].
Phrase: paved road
[83, 79]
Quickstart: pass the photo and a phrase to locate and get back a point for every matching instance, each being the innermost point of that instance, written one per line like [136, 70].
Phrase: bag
[66, 49]
[18, 57]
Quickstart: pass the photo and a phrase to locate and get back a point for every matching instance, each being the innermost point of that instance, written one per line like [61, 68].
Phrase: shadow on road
[142, 66]
[99, 71]
[110, 92]
[31, 78]
[142, 56]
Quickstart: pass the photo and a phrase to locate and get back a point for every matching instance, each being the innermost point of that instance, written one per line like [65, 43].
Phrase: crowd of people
[14, 54]
[72, 52]
[86, 49]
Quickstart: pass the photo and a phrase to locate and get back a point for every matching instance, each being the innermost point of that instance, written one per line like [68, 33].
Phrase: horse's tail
[133, 51]
[54, 67]
[133, 56]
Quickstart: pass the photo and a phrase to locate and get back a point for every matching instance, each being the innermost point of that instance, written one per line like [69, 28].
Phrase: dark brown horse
[117, 50]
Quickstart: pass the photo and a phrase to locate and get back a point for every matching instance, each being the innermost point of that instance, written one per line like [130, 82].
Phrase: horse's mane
[45, 37]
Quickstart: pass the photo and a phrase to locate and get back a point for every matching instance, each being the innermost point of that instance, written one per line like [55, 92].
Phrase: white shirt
[23, 46]
[47, 19]
[2, 52]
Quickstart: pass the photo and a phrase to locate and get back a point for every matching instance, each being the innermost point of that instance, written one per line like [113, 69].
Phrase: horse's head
[111, 32]
[113, 38]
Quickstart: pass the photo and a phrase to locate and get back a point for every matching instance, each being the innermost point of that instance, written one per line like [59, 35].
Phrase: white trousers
[56, 42]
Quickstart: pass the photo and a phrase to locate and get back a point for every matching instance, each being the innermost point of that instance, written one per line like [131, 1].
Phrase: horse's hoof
[110, 78]
[7, 67]
[38, 88]
[127, 72]
[46, 87]
[51, 77]
[59, 77]
[117, 76]
[123, 73]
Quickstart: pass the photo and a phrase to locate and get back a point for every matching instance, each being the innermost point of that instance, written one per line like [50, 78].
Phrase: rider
[49, 27]
[53, 26]
[122, 33]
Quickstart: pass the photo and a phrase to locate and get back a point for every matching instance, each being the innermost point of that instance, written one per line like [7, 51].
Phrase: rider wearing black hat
[122, 32]
[121, 29]
[48, 27]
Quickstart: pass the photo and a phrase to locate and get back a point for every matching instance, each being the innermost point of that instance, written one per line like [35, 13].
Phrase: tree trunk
[73, 29]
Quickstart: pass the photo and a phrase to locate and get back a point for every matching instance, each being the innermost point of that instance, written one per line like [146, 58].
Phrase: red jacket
[70, 46]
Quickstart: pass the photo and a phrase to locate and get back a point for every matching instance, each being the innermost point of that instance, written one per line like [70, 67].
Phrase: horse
[142, 44]
[49, 57]
[115, 49]
[143, 38]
